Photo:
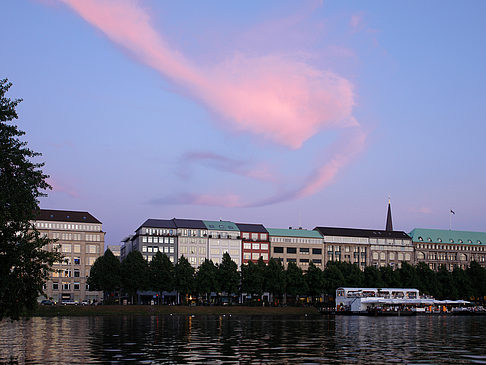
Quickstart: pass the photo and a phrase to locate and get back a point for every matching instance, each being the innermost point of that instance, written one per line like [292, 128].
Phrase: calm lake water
[246, 339]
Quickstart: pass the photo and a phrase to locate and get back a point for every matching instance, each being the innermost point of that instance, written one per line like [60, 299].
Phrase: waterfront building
[192, 237]
[255, 242]
[223, 236]
[366, 247]
[80, 239]
[300, 246]
[450, 248]
[152, 236]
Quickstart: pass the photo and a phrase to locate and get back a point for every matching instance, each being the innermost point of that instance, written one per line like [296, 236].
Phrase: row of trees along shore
[135, 274]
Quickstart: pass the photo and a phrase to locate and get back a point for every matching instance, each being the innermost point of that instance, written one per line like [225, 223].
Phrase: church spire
[389, 224]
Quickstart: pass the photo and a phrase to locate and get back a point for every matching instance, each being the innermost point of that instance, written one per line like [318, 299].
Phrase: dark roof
[389, 223]
[247, 227]
[189, 223]
[354, 232]
[65, 216]
[159, 223]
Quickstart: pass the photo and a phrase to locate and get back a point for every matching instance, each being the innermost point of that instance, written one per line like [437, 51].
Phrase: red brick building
[255, 242]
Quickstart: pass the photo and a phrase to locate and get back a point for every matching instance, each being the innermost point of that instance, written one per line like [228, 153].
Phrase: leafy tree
[274, 277]
[407, 275]
[444, 282]
[229, 278]
[207, 278]
[461, 281]
[390, 276]
[372, 277]
[24, 263]
[161, 273]
[314, 278]
[427, 282]
[353, 276]
[477, 276]
[252, 277]
[105, 274]
[134, 273]
[294, 280]
[333, 277]
[184, 277]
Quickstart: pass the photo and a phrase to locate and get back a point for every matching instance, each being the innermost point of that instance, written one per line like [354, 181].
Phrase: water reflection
[227, 339]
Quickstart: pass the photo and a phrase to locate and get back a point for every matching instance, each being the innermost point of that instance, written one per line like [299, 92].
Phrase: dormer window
[429, 239]
[421, 239]
[460, 241]
[439, 239]
[451, 240]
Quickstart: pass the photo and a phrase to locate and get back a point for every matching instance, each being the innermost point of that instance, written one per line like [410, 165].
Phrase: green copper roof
[445, 236]
[293, 233]
[221, 226]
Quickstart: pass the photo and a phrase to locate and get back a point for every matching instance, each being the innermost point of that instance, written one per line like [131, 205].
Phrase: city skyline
[283, 113]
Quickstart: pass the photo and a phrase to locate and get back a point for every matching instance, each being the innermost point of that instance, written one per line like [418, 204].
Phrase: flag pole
[450, 220]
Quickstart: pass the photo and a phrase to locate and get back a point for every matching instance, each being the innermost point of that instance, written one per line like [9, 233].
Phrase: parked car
[47, 302]
[69, 302]
[85, 302]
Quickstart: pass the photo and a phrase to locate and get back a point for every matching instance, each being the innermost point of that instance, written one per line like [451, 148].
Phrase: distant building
[300, 246]
[223, 236]
[192, 240]
[366, 247]
[115, 249]
[255, 242]
[152, 236]
[452, 249]
[81, 241]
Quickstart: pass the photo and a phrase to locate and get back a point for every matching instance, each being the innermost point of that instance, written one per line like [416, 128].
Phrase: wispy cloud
[283, 99]
[277, 97]
[257, 171]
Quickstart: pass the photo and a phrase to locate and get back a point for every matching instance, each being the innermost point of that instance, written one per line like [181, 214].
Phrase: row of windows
[192, 250]
[302, 261]
[255, 256]
[453, 247]
[391, 256]
[72, 227]
[331, 248]
[68, 248]
[157, 231]
[149, 258]
[67, 286]
[295, 240]
[255, 246]
[155, 249]
[450, 240]
[158, 239]
[302, 250]
[254, 236]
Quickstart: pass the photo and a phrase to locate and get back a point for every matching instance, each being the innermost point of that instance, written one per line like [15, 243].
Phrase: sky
[285, 113]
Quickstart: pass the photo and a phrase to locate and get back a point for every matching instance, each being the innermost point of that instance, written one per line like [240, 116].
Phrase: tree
[134, 273]
[207, 278]
[461, 281]
[477, 276]
[161, 273]
[372, 277]
[314, 278]
[105, 274]
[252, 278]
[274, 278]
[408, 276]
[333, 277]
[184, 277]
[229, 279]
[24, 263]
[294, 280]
[427, 280]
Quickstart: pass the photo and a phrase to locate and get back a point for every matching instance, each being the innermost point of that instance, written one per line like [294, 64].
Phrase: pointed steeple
[389, 224]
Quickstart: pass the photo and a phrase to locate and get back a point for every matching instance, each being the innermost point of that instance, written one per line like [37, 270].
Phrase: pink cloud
[357, 21]
[422, 210]
[60, 187]
[282, 99]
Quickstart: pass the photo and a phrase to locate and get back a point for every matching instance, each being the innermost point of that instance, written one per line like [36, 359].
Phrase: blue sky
[127, 139]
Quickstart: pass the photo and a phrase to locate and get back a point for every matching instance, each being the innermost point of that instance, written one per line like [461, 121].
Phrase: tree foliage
[206, 280]
[229, 278]
[161, 273]
[134, 273]
[24, 263]
[105, 273]
[184, 277]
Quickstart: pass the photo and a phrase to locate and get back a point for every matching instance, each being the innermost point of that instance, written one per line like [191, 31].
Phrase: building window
[255, 246]
[247, 256]
[77, 261]
[304, 251]
[317, 261]
[264, 246]
[278, 249]
[76, 273]
[247, 246]
[291, 250]
[66, 286]
[55, 286]
[317, 251]
[291, 260]
[265, 256]
[263, 236]
[304, 261]
[76, 286]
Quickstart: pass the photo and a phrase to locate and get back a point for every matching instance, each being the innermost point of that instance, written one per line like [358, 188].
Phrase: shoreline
[151, 310]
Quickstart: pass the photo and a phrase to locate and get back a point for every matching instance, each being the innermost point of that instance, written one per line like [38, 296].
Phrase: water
[247, 339]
